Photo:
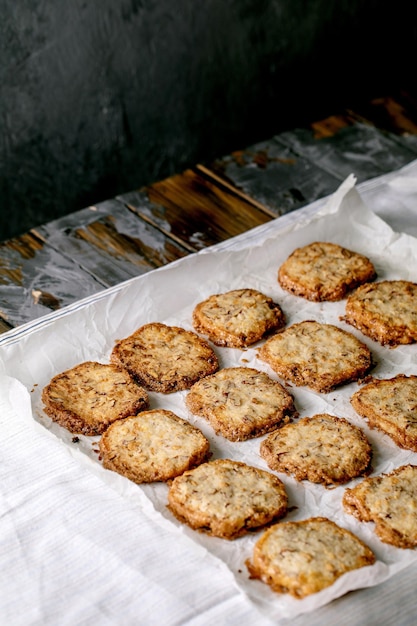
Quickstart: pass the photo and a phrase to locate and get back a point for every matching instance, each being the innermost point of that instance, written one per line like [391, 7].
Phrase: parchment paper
[89, 329]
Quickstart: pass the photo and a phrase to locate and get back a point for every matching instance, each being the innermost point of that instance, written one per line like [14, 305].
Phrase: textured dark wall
[100, 97]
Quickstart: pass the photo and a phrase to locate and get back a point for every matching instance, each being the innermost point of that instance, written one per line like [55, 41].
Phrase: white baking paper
[32, 355]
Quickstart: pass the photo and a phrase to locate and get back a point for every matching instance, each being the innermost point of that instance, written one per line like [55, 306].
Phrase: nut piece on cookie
[390, 405]
[321, 449]
[390, 501]
[324, 271]
[91, 395]
[241, 402]
[156, 445]
[385, 311]
[304, 557]
[227, 498]
[165, 358]
[320, 356]
[237, 318]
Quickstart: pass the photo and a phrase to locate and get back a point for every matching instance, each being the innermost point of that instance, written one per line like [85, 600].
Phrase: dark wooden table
[87, 251]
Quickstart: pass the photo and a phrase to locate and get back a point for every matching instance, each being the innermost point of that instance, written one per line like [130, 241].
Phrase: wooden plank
[272, 175]
[4, 327]
[196, 210]
[84, 252]
[36, 279]
[110, 242]
[331, 125]
[393, 113]
[360, 149]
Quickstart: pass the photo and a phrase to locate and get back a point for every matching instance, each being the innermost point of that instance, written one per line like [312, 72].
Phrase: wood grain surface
[87, 251]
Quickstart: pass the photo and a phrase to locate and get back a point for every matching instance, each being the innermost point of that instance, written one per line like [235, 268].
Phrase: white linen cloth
[83, 546]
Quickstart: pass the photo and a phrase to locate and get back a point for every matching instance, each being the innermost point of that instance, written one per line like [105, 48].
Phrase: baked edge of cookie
[296, 590]
[316, 474]
[225, 338]
[73, 422]
[229, 533]
[345, 286]
[199, 456]
[207, 412]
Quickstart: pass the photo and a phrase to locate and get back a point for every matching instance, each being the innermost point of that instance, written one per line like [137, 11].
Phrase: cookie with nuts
[385, 311]
[165, 358]
[320, 356]
[154, 446]
[324, 271]
[322, 449]
[304, 557]
[390, 502]
[241, 402]
[88, 397]
[237, 318]
[227, 499]
[389, 405]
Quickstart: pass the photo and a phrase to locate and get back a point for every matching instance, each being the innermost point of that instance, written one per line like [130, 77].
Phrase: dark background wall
[99, 97]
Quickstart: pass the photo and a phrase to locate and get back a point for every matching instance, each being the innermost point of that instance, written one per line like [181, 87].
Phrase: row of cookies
[386, 312]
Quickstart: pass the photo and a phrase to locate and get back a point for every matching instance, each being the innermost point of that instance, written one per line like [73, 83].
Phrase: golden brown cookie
[390, 501]
[390, 405]
[156, 445]
[301, 558]
[324, 271]
[227, 498]
[237, 318]
[320, 356]
[240, 402]
[88, 397]
[165, 358]
[322, 449]
[385, 311]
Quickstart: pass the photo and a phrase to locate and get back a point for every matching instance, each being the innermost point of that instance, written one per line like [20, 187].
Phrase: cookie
[165, 358]
[324, 271]
[156, 445]
[320, 356]
[390, 405]
[321, 449]
[390, 502]
[237, 318]
[385, 311]
[227, 499]
[240, 402]
[90, 396]
[304, 557]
